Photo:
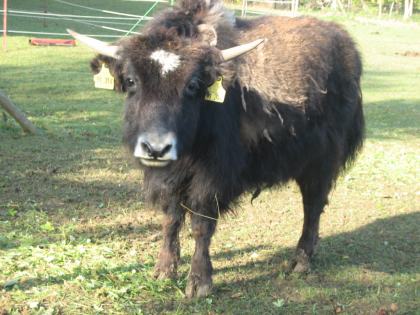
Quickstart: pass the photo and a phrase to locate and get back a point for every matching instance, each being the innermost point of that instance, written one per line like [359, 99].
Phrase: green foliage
[47, 227]
[279, 303]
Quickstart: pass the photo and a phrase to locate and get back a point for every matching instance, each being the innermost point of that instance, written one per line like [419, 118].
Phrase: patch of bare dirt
[408, 53]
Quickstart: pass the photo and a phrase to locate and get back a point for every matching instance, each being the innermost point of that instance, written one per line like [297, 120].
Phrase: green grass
[76, 236]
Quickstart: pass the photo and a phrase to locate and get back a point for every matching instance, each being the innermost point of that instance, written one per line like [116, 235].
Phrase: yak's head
[166, 79]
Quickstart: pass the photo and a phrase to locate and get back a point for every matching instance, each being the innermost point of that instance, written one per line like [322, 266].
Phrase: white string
[42, 33]
[42, 71]
[105, 27]
[59, 18]
[105, 11]
[71, 15]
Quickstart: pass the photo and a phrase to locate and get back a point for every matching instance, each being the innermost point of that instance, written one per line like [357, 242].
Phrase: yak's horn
[97, 45]
[233, 52]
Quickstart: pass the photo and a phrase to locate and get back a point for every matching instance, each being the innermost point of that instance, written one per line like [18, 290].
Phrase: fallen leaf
[339, 309]
[385, 196]
[33, 304]
[12, 282]
[394, 307]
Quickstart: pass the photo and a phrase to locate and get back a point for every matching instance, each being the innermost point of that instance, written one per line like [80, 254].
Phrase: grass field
[76, 236]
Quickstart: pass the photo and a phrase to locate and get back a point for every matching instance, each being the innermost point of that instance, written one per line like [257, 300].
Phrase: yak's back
[297, 60]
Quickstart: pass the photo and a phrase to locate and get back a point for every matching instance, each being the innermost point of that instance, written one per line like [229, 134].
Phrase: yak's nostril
[147, 148]
[165, 150]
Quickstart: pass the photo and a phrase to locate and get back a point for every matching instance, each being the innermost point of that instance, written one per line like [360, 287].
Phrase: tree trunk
[380, 8]
[406, 9]
[390, 10]
[18, 115]
[411, 7]
[341, 7]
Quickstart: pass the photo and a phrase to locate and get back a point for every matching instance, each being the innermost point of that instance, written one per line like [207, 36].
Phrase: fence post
[4, 24]
[17, 114]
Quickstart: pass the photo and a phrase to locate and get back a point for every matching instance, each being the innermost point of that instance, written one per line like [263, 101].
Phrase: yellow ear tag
[216, 92]
[104, 79]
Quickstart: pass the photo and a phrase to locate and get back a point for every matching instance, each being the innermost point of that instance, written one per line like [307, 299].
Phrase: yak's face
[166, 86]
[166, 77]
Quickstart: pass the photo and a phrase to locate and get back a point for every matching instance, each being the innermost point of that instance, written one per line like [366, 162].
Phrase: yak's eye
[129, 82]
[192, 87]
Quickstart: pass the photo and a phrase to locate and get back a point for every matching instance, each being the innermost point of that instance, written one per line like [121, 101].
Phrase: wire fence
[107, 23]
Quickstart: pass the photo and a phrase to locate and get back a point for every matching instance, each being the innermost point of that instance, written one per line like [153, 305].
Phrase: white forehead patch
[169, 61]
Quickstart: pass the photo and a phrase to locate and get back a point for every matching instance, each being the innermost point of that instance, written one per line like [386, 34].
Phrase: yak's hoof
[298, 263]
[301, 267]
[161, 272]
[198, 287]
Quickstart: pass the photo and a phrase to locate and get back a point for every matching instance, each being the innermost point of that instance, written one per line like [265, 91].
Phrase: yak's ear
[115, 68]
[227, 70]
[208, 34]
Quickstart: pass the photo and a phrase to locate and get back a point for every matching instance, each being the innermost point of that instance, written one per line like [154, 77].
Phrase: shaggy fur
[293, 110]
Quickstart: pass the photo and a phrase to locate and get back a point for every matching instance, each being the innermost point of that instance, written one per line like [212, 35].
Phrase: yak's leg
[167, 264]
[199, 281]
[315, 197]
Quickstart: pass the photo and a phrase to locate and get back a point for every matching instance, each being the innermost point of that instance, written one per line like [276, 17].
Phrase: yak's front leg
[199, 281]
[167, 264]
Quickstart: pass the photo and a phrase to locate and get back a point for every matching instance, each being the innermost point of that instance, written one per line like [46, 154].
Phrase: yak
[217, 106]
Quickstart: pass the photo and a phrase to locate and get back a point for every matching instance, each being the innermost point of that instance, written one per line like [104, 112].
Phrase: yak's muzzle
[156, 149]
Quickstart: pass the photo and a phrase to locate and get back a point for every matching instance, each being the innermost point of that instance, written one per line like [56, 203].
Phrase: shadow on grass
[393, 119]
[387, 245]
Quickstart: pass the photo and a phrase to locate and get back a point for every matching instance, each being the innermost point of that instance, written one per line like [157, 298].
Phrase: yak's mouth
[154, 162]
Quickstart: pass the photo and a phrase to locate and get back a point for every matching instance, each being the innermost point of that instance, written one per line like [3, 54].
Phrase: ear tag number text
[104, 79]
[216, 92]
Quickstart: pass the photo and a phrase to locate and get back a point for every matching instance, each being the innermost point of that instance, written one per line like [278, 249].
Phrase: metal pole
[45, 11]
[4, 25]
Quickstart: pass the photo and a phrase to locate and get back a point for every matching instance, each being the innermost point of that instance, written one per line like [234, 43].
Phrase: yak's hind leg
[167, 265]
[199, 281]
[315, 186]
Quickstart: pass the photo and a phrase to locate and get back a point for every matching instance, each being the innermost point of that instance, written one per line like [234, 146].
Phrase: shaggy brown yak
[292, 111]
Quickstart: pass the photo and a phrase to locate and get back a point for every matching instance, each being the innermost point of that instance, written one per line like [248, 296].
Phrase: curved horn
[100, 47]
[233, 52]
